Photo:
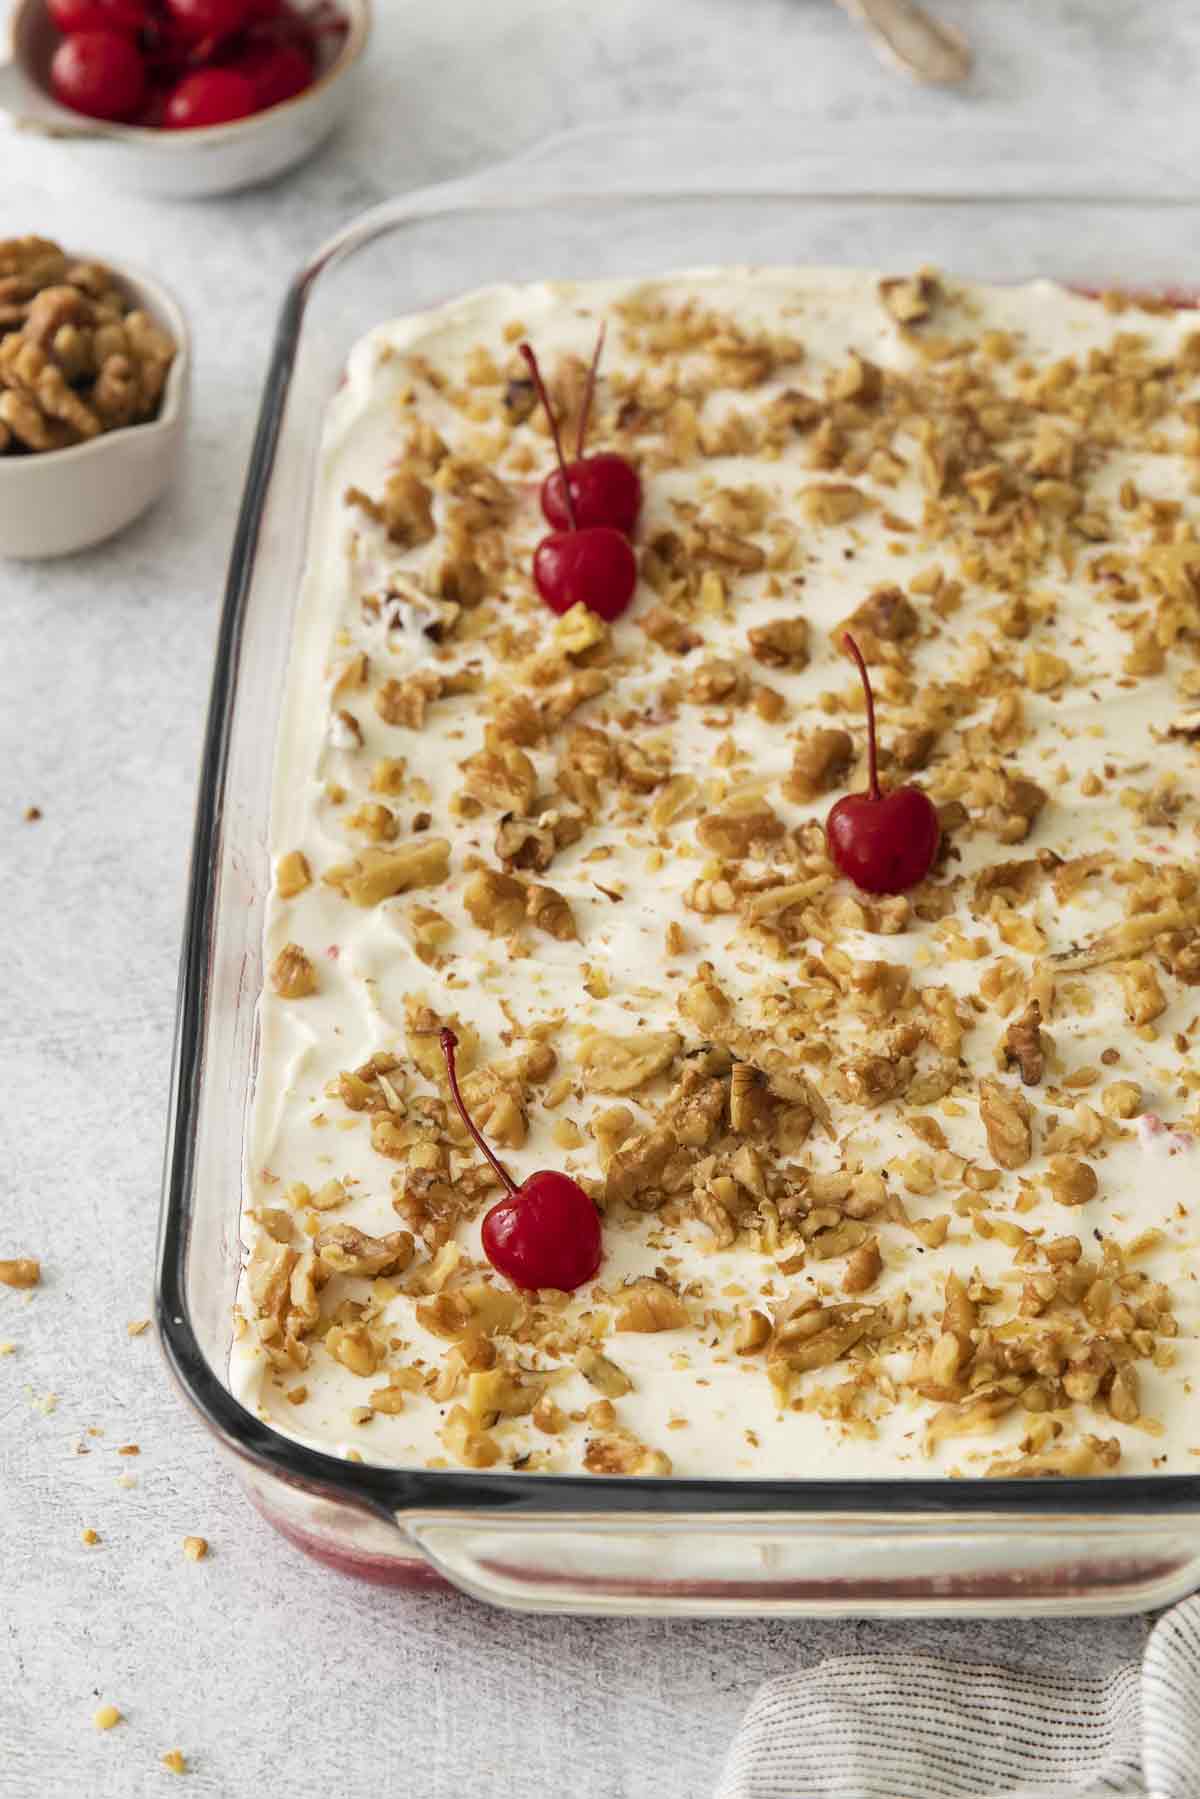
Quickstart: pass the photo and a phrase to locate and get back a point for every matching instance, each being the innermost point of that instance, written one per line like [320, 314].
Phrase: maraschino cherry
[592, 564]
[547, 1232]
[603, 489]
[207, 21]
[883, 842]
[100, 73]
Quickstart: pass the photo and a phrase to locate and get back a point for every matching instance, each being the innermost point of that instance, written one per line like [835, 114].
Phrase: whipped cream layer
[1018, 465]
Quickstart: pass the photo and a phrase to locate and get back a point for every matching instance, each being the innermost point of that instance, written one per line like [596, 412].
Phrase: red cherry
[276, 72]
[547, 1232]
[99, 73]
[126, 16]
[605, 490]
[209, 97]
[544, 1236]
[884, 842]
[202, 20]
[594, 564]
[597, 567]
[602, 490]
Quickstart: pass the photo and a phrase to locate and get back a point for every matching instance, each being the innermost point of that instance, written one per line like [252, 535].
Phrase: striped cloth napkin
[920, 1727]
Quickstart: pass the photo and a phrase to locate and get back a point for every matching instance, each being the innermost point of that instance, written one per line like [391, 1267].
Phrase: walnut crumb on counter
[24, 1271]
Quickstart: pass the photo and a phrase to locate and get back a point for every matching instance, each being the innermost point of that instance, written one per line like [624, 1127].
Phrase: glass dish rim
[388, 1491]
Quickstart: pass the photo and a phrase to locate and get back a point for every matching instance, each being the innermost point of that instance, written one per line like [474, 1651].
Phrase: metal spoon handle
[906, 35]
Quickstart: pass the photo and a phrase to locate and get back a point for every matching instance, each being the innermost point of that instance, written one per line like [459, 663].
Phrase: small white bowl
[62, 501]
[178, 165]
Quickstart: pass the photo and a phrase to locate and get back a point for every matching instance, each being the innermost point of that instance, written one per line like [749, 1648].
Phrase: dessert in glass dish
[735, 933]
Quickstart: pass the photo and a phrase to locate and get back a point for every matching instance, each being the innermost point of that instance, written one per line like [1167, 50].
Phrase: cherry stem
[449, 1043]
[589, 392]
[527, 352]
[872, 750]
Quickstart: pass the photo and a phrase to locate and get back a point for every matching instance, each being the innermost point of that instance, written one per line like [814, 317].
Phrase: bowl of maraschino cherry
[184, 97]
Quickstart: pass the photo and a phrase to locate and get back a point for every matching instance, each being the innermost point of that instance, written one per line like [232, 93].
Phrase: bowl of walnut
[93, 397]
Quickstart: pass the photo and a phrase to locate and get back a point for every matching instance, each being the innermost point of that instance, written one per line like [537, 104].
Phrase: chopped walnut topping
[467, 1443]
[1023, 1044]
[625, 1064]
[716, 683]
[1090, 1455]
[495, 902]
[705, 1002]
[832, 502]
[859, 380]
[1071, 1182]
[343, 1249]
[635, 1167]
[809, 1334]
[910, 299]
[885, 616]
[550, 912]
[734, 832]
[293, 975]
[1144, 998]
[504, 778]
[649, 1306]
[407, 702]
[821, 762]
[863, 1267]
[617, 1452]
[345, 732]
[603, 1374]
[379, 874]
[1015, 809]
[1007, 1119]
[355, 1348]
[670, 632]
[405, 511]
[292, 874]
[781, 643]
[532, 844]
[376, 821]
[753, 1333]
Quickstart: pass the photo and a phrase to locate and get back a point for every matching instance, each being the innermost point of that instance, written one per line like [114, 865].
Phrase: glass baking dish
[551, 1542]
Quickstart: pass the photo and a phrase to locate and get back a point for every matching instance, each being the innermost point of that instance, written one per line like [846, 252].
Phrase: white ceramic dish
[178, 165]
[69, 500]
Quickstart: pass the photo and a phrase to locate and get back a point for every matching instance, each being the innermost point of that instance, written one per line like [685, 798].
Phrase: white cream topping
[712, 1412]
